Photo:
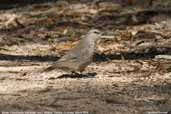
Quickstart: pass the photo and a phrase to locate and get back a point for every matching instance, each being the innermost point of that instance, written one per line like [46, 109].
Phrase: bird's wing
[74, 53]
[69, 57]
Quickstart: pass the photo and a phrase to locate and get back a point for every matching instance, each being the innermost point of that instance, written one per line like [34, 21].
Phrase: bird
[79, 57]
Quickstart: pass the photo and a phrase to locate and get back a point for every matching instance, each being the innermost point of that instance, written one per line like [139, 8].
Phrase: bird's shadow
[77, 75]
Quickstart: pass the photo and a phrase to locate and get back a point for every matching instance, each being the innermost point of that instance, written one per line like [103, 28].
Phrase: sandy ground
[133, 84]
[108, 87]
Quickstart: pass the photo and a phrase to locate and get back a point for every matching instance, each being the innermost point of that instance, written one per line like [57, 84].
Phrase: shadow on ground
[8, 4]
[152, 52]
[77, 75]
[8, 57]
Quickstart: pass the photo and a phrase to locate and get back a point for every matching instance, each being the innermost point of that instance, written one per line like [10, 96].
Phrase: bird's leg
[74, 73]
[80, 73]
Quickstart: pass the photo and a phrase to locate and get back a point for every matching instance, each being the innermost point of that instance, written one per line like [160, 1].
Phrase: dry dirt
[113, 84]
[107, 87]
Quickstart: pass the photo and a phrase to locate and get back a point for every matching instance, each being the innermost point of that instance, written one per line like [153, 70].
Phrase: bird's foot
[75, 73]
[78, 75]
[84, 74]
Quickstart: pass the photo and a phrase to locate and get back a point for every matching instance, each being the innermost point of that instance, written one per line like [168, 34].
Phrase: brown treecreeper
[78, 58]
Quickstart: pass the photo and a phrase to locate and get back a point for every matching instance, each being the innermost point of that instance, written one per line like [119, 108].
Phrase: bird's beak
[105, 36]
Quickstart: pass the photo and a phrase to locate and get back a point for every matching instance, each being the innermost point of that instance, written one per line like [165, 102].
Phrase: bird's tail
[48, 69]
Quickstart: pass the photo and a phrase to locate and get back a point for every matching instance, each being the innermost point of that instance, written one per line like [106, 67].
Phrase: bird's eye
[97, 32]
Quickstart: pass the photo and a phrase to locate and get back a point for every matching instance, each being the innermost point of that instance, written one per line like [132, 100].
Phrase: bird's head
[94, 34]
[94, 31]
